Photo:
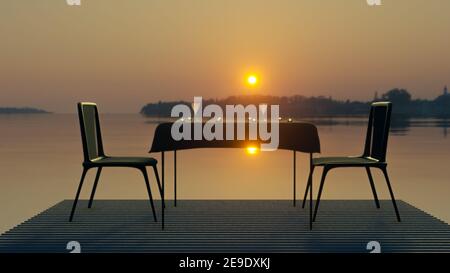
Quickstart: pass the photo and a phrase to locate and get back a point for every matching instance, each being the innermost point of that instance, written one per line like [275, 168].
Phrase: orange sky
[123, 54]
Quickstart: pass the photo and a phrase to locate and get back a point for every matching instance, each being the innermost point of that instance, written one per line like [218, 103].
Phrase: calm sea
[41, 157]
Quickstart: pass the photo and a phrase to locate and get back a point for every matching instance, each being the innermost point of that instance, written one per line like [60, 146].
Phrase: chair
[374, 155]
[94, 156]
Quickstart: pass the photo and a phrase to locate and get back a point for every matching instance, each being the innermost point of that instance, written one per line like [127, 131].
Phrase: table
[294, 136]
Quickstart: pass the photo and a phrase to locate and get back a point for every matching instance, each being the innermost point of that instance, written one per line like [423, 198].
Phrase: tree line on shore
[21, 110]
[298, 106]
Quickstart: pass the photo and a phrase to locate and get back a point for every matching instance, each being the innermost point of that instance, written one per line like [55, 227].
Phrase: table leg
[175, 177]
[295, 186]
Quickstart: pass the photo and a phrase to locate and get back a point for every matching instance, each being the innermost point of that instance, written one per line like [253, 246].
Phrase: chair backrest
[90, 131]
[378, 130]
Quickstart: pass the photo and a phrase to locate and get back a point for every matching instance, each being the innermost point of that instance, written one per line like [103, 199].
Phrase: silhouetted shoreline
[310, 107]
[22, 110]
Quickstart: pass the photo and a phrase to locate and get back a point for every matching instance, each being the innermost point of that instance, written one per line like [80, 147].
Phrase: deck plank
[229, 226]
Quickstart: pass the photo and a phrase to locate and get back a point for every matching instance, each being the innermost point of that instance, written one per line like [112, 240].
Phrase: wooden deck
[229, 226]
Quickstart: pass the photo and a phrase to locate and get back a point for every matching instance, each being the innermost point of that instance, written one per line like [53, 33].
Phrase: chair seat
[124, 161]
[345, 160]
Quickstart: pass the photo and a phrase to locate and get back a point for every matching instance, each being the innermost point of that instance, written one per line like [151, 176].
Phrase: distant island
[21, 110]
[300, 106]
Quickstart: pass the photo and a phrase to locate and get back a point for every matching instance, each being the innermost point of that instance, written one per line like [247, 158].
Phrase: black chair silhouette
[374, 155]
[94, 156]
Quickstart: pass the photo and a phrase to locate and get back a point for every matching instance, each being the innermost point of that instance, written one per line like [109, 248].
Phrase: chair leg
[94, 188]
[83, 175]
[295, 183]
[161, 192]
[307, 187]
[322, 182]
[144, 172]
[391, 192]
[372, 185]
[310, 202]
[162, 178]
[306, 194]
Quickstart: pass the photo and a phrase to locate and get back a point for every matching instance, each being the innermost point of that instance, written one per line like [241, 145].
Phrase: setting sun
[252, 80]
